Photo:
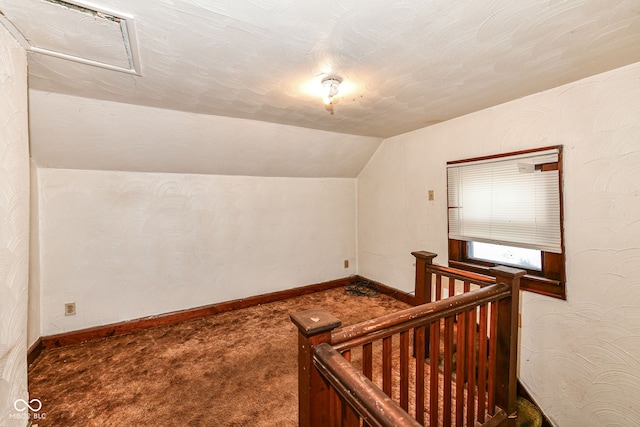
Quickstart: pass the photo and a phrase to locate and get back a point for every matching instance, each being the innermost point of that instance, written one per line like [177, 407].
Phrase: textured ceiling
[405, 64]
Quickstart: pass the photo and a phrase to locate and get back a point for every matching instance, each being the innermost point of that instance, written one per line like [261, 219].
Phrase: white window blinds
[506, 201]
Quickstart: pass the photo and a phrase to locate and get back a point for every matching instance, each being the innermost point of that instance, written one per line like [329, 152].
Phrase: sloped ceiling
[404, 65]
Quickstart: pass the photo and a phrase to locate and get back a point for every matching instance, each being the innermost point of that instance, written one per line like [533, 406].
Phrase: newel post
[507, 341]
[423, 289]
[423, 280]
[314, 328]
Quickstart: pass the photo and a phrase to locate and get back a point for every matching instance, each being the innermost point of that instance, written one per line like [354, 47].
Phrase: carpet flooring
[232, 369]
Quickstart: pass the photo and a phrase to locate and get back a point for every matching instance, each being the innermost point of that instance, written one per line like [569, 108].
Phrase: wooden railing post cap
[315, 321]
[424, 255]
[503, 270]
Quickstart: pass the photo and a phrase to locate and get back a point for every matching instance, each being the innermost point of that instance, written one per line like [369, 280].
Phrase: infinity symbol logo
[22, 405]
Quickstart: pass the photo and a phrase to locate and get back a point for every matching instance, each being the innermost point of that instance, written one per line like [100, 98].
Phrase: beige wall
[71, 132]
[125, 245]
[33, 322]
[14, 232]
[580, 358]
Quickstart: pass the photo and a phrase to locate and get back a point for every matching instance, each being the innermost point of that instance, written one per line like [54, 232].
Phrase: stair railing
[474, 333]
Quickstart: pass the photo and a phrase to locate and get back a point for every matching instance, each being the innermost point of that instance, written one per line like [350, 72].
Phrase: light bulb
[330, 88]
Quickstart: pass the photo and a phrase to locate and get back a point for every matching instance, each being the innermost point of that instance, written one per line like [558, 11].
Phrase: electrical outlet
[346, 263]
[430, 195]
[70, 309]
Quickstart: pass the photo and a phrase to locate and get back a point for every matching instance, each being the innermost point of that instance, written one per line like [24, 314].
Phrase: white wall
[33, 321]
[125, 245]
[580, 358]
[71, 132]
[14, 232]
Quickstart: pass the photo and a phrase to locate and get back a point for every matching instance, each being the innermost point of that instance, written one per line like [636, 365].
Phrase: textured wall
[580, 358]
[14, 232]
[70, 132]
[124, 245]
[33, 322]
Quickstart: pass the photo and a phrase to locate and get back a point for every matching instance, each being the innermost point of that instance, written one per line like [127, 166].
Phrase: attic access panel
[75, 31]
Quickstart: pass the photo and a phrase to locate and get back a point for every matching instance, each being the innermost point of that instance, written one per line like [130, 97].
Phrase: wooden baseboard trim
[522, 392]
[392, 292]
[130, 326]
[34, 351]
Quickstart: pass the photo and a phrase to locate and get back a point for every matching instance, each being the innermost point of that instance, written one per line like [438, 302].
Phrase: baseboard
[522, 392]
[34, 351]
[393, 292]
[130, 326]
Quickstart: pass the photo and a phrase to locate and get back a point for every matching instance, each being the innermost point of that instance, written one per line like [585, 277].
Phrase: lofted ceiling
[404, 65]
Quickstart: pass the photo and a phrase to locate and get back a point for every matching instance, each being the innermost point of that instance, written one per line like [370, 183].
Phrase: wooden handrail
[465, 276]
[332, 391]
[372, 404]
[393, 323]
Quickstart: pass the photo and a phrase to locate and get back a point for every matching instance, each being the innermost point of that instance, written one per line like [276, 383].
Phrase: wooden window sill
[536, 284]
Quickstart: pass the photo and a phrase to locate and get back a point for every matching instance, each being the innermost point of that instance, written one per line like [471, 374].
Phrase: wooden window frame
[551, 280]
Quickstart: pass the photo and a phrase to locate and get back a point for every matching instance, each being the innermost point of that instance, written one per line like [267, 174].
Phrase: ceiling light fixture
[330, 87]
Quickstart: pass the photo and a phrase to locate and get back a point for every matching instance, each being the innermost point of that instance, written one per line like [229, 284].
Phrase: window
[507, 210]
[530, 259]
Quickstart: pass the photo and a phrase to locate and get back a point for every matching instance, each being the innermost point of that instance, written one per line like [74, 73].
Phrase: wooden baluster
[466, 288]
[404, 370]
[367, 360]
[507, 341]
[314, 328]
[434, 374]
[460, 368]
[471, 366]
[434, 361]
[367, 365]
[419, 345]
[493, 334]
[448, 371]
[387, 365]
[482, 363]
